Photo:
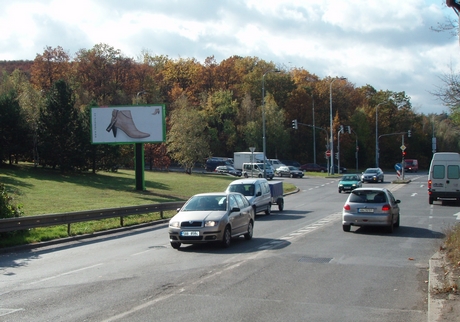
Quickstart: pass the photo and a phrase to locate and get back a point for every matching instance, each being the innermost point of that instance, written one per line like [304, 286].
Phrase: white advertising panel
[128, 124]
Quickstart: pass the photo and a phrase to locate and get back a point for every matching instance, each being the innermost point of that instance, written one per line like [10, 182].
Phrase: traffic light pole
[295, 125]
[403, 147]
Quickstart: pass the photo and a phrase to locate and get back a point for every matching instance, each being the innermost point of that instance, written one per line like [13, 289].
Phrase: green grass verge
[45, 191]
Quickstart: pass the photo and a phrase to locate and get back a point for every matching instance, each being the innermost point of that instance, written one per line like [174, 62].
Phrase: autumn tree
[188, 141]
[105, 74]
[51, 66]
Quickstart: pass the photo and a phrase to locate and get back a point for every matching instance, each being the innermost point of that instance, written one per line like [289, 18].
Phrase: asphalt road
[300, 266]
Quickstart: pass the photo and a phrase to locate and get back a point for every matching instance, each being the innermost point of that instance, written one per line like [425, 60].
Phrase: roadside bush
[7, 208]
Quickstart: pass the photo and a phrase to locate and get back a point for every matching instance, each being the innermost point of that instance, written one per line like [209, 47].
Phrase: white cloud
[385, 43]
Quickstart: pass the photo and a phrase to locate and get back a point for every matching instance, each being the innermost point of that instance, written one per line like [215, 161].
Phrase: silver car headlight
[174, 224]
[341, 185]
[211, 223]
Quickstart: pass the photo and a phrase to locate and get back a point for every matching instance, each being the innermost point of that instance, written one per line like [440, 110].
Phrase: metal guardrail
[28, 222]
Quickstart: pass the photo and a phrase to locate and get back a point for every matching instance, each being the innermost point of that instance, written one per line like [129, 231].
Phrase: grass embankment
[44, 191]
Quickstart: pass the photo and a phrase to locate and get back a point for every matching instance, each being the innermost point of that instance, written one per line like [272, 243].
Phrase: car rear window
[369, 196]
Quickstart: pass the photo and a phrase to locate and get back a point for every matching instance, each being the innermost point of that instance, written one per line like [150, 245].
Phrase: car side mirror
[259, 193]
[178, 209]
[235, 209]
[398, 201]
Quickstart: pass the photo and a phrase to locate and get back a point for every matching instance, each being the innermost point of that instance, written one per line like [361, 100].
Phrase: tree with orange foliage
[51, 66]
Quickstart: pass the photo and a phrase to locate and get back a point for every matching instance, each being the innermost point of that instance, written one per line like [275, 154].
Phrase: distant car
[228, 169]
[295, 172]
[410, 165]
[275, 163]
[372, 175]
[336, 168]
[349, 182]
[283, 171]
[371, 207]
[312, 167]
[212, 217]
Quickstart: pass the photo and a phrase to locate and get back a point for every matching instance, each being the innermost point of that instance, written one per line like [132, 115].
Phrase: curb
[434, 305]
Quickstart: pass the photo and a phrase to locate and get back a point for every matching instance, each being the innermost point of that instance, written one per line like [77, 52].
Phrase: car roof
[370, 189]
[248, 180]
[219, 193]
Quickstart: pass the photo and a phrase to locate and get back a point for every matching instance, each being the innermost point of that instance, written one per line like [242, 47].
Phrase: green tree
[14, 131]
[60, 129]
[188, 141]
[220, 111]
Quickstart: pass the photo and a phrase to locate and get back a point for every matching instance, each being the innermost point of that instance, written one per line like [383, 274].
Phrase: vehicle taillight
[386, 207]
[429, 184]
[347, 207]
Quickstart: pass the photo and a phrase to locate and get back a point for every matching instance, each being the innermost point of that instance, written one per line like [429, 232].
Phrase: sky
[388, 44]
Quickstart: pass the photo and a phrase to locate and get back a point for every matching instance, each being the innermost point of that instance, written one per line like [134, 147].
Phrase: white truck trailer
[246, 157]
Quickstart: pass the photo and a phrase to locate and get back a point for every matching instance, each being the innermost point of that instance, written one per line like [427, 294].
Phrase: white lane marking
[67, 273]
[457, 215]
[140, 253]
[414, 194]
[4, 312]
[303, 231]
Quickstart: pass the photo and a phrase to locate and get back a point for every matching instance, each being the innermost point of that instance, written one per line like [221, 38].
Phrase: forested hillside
[219, 102]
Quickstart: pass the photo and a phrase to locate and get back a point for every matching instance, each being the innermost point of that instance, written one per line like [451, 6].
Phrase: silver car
[212, 217]
[371, 207]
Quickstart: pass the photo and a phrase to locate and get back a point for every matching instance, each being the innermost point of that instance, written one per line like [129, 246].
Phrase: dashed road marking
[302, 231]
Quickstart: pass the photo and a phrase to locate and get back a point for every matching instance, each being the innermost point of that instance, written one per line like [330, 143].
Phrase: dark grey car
[372, 175]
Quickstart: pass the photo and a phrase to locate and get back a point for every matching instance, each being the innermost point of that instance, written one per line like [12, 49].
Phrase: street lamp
[263, 117]
[377, 133]
[332, 133]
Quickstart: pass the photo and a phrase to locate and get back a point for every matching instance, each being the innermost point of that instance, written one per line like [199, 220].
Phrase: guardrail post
[68, 229]
[161, 214]
[121, 221]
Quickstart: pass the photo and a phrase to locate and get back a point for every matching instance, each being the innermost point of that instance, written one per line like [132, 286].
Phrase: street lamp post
[263, 118]
[314, 128]
[330, 120]
[377, 133]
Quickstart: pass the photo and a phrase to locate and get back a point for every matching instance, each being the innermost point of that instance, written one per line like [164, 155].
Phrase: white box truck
[246, 157]
[444, 177]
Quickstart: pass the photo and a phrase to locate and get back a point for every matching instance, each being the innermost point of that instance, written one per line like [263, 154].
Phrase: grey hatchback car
[371, 207]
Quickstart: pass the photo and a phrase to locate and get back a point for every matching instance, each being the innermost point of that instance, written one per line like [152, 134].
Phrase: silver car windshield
[200, 203]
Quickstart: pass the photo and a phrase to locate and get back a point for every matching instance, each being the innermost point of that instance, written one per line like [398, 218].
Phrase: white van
[444, 177]
[257, 170]
[257, 191]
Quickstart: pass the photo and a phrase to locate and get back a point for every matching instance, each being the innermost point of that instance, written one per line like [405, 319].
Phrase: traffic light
[403, 153]
[337, 155]
[294, 124]
[408, 134]
[349, 129]
[341, 129]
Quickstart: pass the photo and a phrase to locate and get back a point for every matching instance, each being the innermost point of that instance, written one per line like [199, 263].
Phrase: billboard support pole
[139, 165]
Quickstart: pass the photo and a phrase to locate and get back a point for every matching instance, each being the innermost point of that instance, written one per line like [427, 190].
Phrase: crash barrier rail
[28, 222]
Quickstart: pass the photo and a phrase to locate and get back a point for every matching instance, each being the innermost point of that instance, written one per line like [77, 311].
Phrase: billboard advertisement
[128, 124]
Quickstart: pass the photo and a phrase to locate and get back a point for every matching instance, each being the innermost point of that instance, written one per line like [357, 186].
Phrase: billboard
[128, 124]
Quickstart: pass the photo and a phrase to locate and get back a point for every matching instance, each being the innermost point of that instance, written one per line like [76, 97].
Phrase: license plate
[365, 210]
[190, 233]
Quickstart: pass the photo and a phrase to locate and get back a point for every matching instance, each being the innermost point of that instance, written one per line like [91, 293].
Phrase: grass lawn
[45, 191]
